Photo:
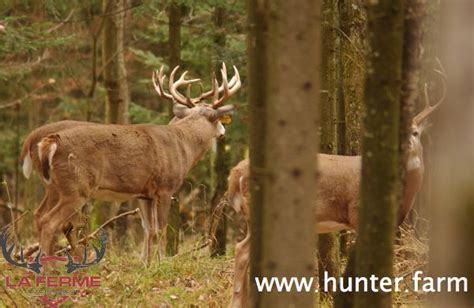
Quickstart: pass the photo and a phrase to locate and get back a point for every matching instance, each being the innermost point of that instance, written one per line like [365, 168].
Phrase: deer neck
[412, 185]
[195, 138]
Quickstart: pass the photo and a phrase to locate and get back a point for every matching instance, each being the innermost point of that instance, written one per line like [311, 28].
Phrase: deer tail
[46, 149]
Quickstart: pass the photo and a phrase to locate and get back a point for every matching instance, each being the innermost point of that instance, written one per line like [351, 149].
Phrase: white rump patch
[220, 128]
[413, 163]
[27, 165]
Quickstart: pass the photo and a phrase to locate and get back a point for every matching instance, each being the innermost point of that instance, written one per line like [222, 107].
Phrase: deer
[122, 162]
[338, 193]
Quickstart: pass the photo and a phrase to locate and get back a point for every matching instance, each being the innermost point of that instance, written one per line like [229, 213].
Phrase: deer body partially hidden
[338, 194]
[121, 162]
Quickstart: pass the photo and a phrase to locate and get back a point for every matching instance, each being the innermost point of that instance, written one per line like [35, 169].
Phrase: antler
[99, 254]
[158, 80]
[7, 254]
[229, 88]
[420, 117]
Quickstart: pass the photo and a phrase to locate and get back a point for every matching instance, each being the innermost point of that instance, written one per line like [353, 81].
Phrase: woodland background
[92, 61]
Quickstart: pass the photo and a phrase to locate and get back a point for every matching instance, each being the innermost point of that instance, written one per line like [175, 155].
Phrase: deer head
[415, 148]
[187, 106]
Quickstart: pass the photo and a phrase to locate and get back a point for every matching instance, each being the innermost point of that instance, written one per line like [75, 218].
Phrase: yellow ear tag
[226, 119]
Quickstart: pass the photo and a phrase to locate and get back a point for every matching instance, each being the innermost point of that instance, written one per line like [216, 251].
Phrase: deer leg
[45, 205]
[146, 216]
[56, 218]
[241, 266]
[162, 209]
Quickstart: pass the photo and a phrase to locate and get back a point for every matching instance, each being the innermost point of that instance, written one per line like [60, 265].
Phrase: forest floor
[190, 279]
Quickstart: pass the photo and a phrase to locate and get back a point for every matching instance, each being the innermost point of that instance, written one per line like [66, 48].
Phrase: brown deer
[338, 194]
[121, 162]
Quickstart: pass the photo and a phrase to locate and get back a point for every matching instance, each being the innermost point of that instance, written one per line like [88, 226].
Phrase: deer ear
[224, 110]
[181, 111]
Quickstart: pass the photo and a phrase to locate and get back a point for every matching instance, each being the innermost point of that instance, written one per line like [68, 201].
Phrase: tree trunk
[328, 250]
[352, 52]
[411, 68]
[115, 80]
[352, 33]
[380, 184]
[293, 82]
[115, 73]
[222, 157]
[257, 82]
[174, 54]
[174, 40]
[451, 252]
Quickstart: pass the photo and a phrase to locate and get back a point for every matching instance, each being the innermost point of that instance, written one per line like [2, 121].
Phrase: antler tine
[158, 79]
[420, 117]
[173, 86]
[229, 89]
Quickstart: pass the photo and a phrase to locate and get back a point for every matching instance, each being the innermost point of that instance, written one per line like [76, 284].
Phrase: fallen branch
[84, 239]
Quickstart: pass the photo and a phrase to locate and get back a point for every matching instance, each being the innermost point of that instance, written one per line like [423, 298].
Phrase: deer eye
[416, 133]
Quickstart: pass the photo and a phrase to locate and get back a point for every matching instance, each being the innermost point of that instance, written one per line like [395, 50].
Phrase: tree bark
[293, 82]
[115, 73]
[328, 249]
[257, 83]
[352, 51]
[222, 157]
[174, 55]
[174, 40]
[380, 184]
[115, 80]
[411, 68]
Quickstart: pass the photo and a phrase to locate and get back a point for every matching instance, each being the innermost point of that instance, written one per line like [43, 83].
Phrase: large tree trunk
[222, 157]
[115, 80]
[328, 250]
[292, 130]
[174, 55]
[380, 184]
[257, 81]
[451, 252]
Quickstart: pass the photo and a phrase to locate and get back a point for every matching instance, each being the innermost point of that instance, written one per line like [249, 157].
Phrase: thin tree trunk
[222, 157]
[257, 81]
[293, 81]
[411, 68]
[380, 184]
[115, 80]
[352, 52]
[328, 244]
[174, 54]
[174, 40]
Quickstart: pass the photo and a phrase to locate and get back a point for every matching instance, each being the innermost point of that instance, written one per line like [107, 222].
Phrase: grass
[191, 279]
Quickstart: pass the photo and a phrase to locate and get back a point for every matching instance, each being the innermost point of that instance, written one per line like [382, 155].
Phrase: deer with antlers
[338, 193]
[121, 162]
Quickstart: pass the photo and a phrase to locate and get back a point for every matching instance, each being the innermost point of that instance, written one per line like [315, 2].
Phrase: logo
[52, 290]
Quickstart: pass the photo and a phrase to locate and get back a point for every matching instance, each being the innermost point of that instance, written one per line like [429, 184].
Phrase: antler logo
[99, 254]
[34, 266]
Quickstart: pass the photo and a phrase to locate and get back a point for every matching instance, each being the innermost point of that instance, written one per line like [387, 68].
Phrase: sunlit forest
[185, 153]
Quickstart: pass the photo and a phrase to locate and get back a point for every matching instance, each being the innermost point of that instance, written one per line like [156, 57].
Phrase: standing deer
[338, 194]
[121, 162]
